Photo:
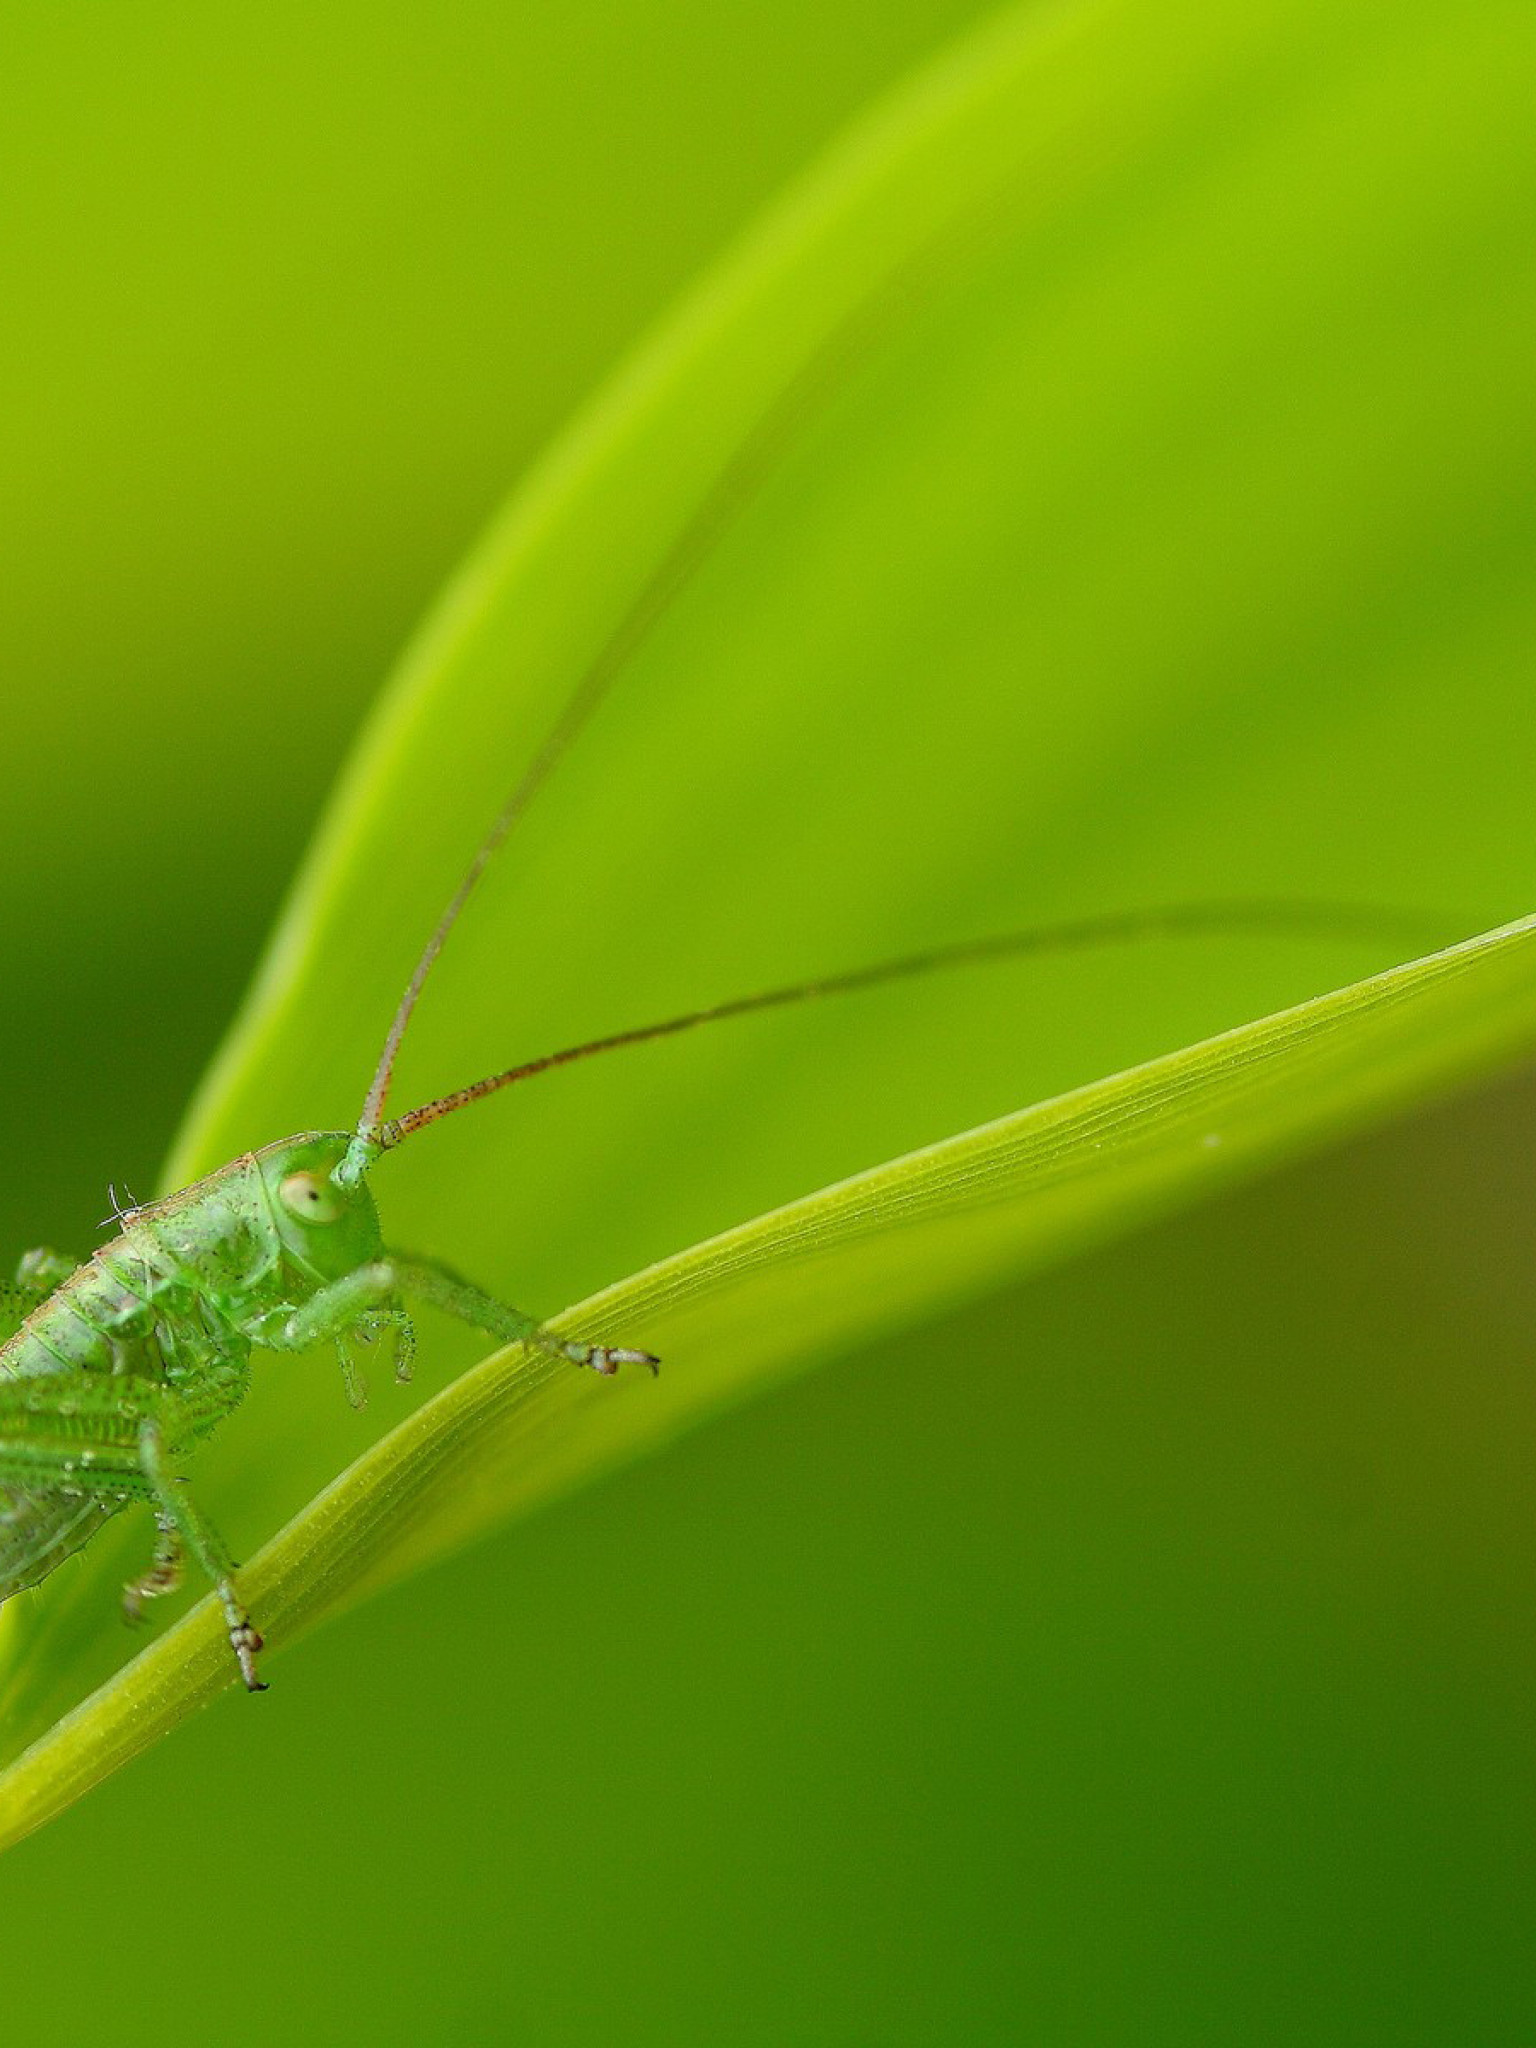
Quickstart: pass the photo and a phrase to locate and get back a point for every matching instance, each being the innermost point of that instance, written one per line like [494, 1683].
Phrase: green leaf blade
[779, 1294]
[1161, 529]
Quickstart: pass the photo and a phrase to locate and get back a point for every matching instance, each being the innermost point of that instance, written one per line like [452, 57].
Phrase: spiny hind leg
[205, 1545]
[164, 1574]
[429, 1281]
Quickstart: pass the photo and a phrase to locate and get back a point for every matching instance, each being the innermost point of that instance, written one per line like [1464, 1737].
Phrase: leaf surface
[1083, 492]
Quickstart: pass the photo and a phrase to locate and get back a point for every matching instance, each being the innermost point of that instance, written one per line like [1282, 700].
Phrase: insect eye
[309, 1199]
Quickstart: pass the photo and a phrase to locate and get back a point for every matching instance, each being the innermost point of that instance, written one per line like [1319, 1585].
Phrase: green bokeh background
[1178, 1688]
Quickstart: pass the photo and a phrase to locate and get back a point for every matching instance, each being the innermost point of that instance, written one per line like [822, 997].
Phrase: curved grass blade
[777, 1294]
[1141, 557]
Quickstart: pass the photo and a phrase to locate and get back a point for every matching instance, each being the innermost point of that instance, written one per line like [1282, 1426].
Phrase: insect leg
[15, 1307]
[429, 1281]
[365, 1298]
[37, 1274]
[200, 1539]
[163, 1576]
[40, 1270]
[359, 1304]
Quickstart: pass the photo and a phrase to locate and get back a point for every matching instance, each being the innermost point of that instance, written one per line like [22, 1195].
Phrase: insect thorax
[168, 1297]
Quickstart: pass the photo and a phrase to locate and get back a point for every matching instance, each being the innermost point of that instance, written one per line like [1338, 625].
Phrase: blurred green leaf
[1106, 481]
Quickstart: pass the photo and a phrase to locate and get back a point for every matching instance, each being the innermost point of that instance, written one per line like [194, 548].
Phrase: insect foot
[607, 1358]
[245, 1642]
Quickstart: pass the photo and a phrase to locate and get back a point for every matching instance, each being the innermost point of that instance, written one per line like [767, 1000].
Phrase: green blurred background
[1176, 1689]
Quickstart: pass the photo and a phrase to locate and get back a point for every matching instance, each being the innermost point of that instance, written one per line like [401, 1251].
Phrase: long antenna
[733, 485]
[1182, 919]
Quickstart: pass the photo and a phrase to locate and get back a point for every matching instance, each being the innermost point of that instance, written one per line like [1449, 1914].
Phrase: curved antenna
[740, 475]
[1340, 920]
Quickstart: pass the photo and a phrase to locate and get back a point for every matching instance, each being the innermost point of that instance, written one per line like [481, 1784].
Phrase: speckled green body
[111, 1371]
[188, 1285]
[155, 1327]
